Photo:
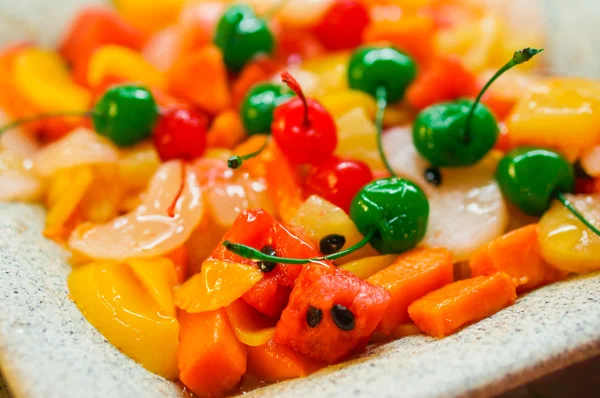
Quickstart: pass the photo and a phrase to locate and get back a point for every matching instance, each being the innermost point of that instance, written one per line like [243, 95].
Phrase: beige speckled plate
[48, 350]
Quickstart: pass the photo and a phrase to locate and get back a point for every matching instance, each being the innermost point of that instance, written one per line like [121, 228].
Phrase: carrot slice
[250, 326]
[219, 284]
[442, 312]
[210, 359]
[275, 362]
[411, 276]
[284, 185]
[209, 88]
[517, 254]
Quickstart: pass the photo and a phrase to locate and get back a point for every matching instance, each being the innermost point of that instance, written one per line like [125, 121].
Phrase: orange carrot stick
[274, 362]
[411, 276]
[516, 253]
[211, 360]
[442, 312]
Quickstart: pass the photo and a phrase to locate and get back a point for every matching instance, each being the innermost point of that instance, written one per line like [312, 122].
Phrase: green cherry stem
[253, 254]
[381, 98]
[42, 116]
[563, 199]
[236, 161]
[519, 57]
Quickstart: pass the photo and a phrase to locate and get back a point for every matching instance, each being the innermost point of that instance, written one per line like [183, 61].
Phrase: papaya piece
[210, 358]
[442, 312]
[226, 130]
[284, 185]
[411, 276]
[180, 259]
[518, 254]
[272, 362]
[209, 88]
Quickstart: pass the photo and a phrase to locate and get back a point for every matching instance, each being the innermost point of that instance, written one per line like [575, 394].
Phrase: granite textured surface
[47, 349]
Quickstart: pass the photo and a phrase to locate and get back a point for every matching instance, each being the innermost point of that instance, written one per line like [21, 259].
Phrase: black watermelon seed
[267, 266]
[313, 316]
[433, 176]
[342, 317]
[331, 244]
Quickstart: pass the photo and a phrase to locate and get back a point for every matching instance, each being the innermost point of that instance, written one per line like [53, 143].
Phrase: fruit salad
[252, 191]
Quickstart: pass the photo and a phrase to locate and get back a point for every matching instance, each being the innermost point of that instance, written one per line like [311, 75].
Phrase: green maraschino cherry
[531, 178]
[260, 103]
[460, 133]
[242, 35]
[385, 73]
[125, 114]
[392, 213]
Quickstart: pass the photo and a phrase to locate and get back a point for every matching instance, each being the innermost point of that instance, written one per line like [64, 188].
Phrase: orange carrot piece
[517, 254]
[411, 276]
[285, 188]
[210, 359]
[275, 362]
[208, 88]
[180, 257]
[412, 34]
[442, 312]
[226, 130]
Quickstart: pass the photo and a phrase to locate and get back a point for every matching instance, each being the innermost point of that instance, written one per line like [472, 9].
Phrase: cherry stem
[236, 161]
[567, 203]
[519, 57]
[381, 98]
[42, 116]
[253, 254]
[293, 84]
[274, 9]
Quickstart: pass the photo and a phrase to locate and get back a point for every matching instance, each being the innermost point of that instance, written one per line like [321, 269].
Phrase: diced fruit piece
[272, 362]
[444, 311]
[411, 276]
[331, 313]
[256, 228]
[137, 166]
[284, 185]
[357, 138]
[517, 254]
[563, 114]
[218, 284]
[211, 360]
[209, 89]
[158, 277]
[249, 326]
[180, 259]
[367, 266]
[318, 218]
[565, 242]
[123, 64]
[149, 16]
[119, 305]
[330, 71]
[341, 102]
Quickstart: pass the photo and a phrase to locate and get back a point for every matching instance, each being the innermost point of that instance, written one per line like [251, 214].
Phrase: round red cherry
[338, 180]
[342, 25]
[302, 128]
[180, 134]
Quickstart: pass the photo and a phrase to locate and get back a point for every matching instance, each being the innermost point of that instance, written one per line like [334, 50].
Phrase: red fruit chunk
[350, 310]
[338, 180]
[257, 229]
[342, 25]
[180, 134]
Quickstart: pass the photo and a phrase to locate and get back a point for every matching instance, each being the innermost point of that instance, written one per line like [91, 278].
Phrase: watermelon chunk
[331, 313]
[258, 229]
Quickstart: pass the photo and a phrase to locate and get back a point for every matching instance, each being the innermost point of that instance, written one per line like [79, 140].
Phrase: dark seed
[433, 176]
[342, 317]
[313, 316]
[267, 266]
[331, 244]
